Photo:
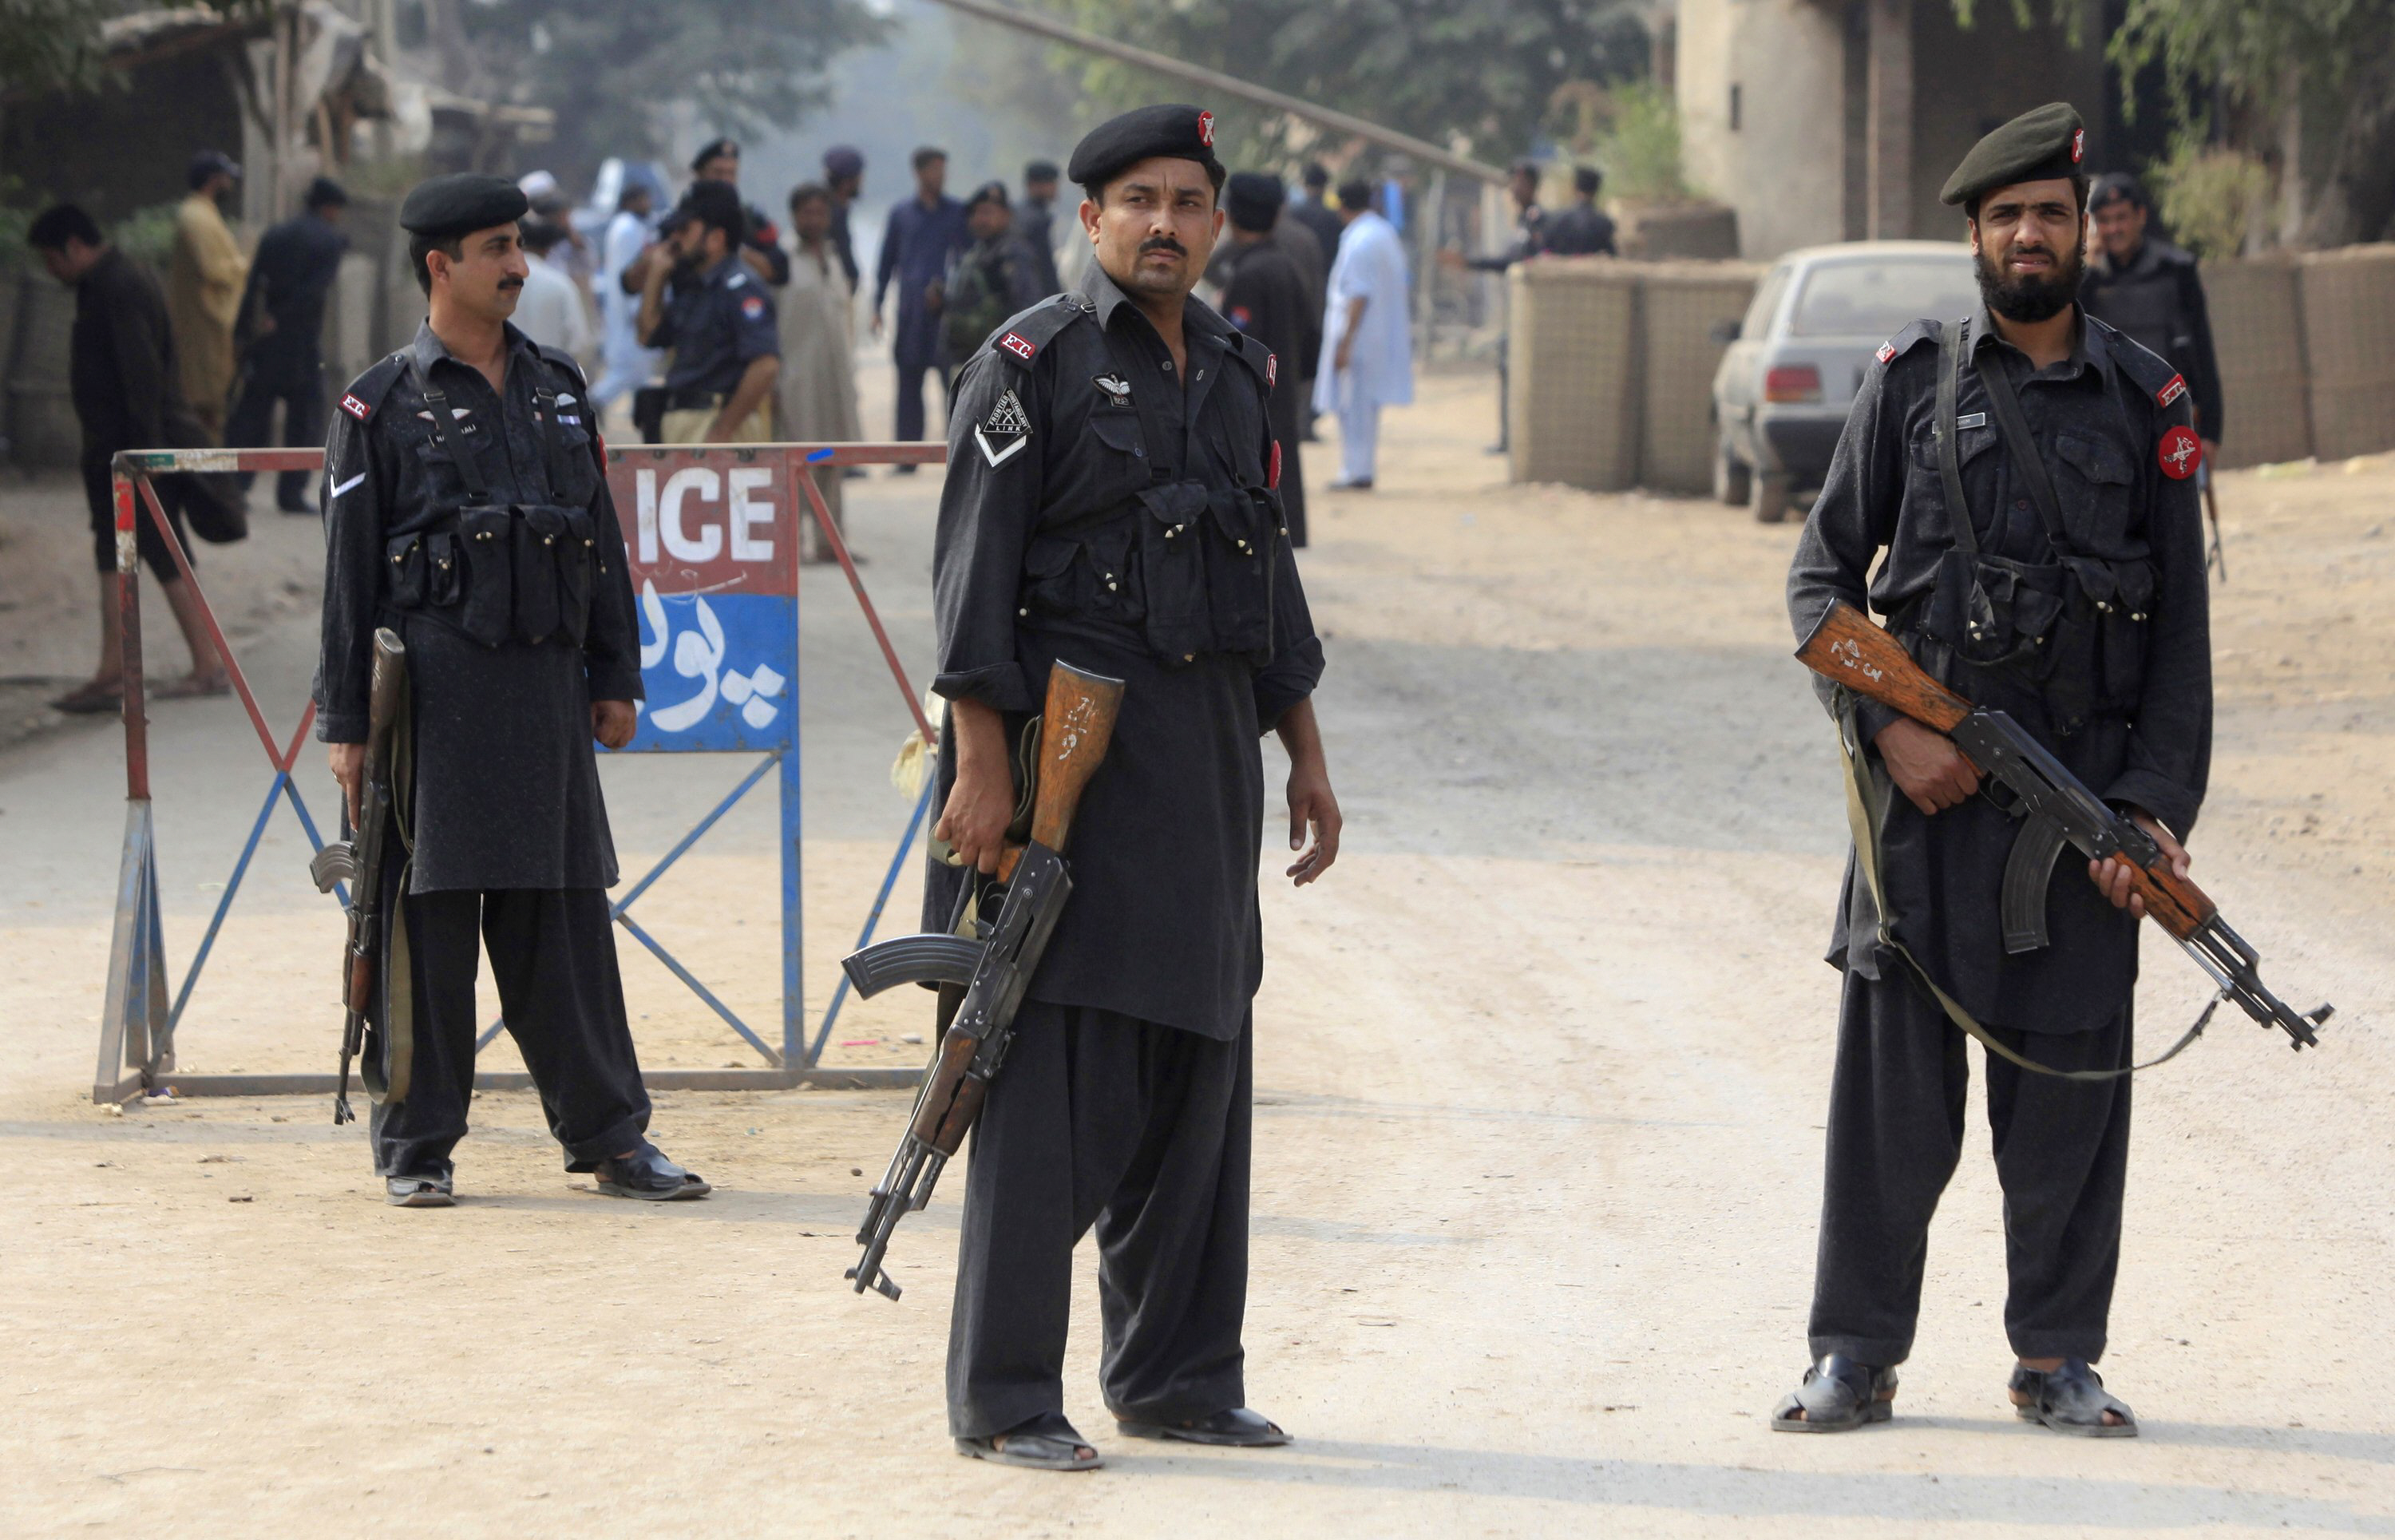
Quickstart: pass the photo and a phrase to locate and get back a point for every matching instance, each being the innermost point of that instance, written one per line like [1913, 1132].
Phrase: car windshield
[1879, 299]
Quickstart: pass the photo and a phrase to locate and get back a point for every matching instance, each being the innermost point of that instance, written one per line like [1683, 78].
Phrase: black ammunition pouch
[1187, 569]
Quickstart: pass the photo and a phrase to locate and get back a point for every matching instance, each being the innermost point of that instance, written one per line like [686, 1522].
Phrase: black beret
[2114, 186]
[987, 192]
[1042, 170]
[324, 193]
[1253, 199]
[2042, 143]
[461, 203]
[712, 149]
[843, 160]
[1179, 132]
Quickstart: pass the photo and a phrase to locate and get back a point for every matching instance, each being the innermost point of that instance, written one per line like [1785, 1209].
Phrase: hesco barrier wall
[2348, 314]
[1612, 366]
[2258, 334]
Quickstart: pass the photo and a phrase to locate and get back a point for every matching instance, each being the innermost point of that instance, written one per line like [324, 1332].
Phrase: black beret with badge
[460, 204]
[1174, 131]
[2041, 145]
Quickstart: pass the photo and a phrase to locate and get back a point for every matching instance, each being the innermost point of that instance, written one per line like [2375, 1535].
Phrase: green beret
[460, 204]
[2046, 142]
[1177, 132]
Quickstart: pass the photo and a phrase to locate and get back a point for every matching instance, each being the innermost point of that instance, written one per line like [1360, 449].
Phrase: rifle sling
[1950, 460]
[1862, 818]
[2004, 405]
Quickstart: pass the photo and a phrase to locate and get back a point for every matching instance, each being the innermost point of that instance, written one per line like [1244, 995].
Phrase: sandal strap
[2073, 1393]
[1837, 1385]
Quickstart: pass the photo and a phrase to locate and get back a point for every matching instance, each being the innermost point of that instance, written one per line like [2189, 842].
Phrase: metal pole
[1230, 85]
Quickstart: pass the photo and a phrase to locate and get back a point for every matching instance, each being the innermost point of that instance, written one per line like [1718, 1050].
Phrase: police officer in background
[1269, 299]
[757, 242]
[844, 177]
[1583, 229]
[719, 322]
[1035, 223]
[2150, 289]
[282, 330]
[468, 508]
[1110, 500]
[2067, 590]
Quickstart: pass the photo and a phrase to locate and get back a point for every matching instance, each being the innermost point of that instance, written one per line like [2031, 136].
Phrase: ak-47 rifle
[994, 969]
[2218, 555]
[1848, 649]
[357, 859]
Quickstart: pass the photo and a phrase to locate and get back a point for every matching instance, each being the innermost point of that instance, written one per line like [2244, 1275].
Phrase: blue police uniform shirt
[715, 326]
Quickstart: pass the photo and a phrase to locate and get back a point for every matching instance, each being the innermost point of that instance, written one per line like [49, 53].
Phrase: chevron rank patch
[1003, 434]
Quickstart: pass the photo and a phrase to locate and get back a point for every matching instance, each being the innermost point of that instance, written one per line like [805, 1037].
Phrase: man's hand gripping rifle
[994, 970]
[358, 860]
[2057, 807]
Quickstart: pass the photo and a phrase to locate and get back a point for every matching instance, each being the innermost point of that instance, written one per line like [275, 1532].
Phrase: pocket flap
[401, 547]
[1174, 503]
[1119, 431]
[2097, 459]
[1049, 557]
[482, 525]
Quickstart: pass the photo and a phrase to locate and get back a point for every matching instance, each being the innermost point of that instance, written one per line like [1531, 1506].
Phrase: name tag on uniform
[1977, 419]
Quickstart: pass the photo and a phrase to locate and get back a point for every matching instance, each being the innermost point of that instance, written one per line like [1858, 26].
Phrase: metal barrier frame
[138, 1024]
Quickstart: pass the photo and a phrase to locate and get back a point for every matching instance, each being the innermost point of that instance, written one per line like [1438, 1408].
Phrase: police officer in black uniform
[759, 243]
[1111, 501]
[2150, 289]
[466, 507]
[719, 320]
[2043, 558]
[282, 326]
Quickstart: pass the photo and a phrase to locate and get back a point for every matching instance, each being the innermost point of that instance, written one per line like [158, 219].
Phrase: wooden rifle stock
[1075, 729]
[1848, 649]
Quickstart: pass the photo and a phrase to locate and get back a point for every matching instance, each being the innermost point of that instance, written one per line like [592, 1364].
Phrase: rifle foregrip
[1848, 649]
[946, 1089]
[2172, 902]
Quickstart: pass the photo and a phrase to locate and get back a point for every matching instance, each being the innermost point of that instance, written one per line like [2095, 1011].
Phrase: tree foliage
[607, 68]
[1489, 70]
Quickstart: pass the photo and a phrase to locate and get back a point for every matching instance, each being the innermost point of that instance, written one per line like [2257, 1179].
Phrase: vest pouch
[1239, 568]
[2121, 625]
[577, 566]
[443, 577]
[485, 538]
[1172, 568]
[407, 563]
[1047, 587]
[537, 530]
[1992, 611]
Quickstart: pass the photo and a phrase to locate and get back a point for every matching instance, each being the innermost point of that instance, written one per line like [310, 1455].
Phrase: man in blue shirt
[719, 320]
[922, 234]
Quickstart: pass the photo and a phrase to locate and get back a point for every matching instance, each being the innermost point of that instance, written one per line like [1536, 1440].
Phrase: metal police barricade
[713, 534]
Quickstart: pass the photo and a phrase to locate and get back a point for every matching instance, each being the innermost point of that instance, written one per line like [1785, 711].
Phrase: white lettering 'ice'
[709, 485]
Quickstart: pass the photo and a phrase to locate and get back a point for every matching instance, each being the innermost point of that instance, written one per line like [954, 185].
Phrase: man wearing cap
[1112, 500]
[922, 234]
[844, 177]
[719, 322]
[1269, 299]
[204, 275]
[2150, 289]
[2021, 480]
[757, 241]
[466, 507]
[1035, 224]
[282, 330]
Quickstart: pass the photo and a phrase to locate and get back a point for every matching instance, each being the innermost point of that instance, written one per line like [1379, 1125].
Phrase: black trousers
[1138, 1129]
[553, 958]
[1894, 1134]
[910, 399]
[99, 494]
[302, 395]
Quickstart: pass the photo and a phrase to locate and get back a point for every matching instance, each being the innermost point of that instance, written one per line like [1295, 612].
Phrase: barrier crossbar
[139, 1021]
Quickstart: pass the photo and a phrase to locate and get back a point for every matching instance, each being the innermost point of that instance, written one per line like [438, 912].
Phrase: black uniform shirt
[1580, 231]
[506, 780]
[292, 276]
[1033, 564]
[2101, 431]
[121, 359]
[716, 323]
[1529, 240]
[2157, 299]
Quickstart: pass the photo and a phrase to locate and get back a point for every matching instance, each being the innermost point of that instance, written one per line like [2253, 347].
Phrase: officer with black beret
[466, 507]
[719, 320]
[2021, 478]
[757, 242]
[1113, 498]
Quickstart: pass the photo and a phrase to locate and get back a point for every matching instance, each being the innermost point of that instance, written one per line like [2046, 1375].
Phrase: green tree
[606, 67]
[1490, 71]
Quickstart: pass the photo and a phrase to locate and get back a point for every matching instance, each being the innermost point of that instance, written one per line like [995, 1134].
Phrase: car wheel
[1767, 496]
[1731, 475]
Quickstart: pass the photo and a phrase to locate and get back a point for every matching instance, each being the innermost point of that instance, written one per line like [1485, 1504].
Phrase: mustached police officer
[2043, 558]
[466, 507]
[1112, 500]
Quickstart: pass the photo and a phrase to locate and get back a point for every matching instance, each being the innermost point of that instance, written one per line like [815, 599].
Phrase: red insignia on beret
[2180, 452]
[1019, 345]
[1886, 352]
[2171, 391]
[1206, 130]
[2078, 144]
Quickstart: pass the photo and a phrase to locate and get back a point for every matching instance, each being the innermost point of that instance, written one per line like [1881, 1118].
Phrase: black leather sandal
[2071, 1399]
[1838, 1395]
[646, 1173]
[1044, 1442]
[1237, 1428]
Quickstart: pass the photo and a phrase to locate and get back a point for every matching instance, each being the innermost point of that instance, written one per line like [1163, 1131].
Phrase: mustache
[507, 284]
[1162, 242]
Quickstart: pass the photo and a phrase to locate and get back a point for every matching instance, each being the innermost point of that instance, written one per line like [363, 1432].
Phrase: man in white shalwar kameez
[1366, 335]
[628, 365]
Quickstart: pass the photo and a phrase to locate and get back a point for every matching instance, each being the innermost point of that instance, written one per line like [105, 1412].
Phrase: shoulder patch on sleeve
[738, 277]
[1256, 356]
[1906, 341]
[2171, 391]
[1020, 339]
[366, 392]
[2144, 368]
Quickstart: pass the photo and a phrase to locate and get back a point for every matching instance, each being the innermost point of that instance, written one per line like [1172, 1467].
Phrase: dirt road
[1542, 1067]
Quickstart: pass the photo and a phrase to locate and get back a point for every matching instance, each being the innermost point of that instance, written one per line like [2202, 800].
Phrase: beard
[2031, 296]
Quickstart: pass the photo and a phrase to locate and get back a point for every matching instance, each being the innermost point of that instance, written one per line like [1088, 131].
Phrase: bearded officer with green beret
[2021, 479]
[467, 508]
[1113, 498]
